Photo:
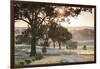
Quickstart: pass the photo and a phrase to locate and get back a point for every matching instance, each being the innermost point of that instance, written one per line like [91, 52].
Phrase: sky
[84, 19]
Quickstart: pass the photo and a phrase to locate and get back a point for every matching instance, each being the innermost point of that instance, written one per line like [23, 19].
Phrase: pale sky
[84, 19]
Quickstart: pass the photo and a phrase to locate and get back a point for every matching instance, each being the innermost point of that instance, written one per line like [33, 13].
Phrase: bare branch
[24, 20]
[42, 20]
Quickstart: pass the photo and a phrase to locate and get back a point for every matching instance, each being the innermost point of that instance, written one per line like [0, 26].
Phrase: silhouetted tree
[62, 36]
[34, 15]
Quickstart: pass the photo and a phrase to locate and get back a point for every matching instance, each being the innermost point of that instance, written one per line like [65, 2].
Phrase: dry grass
[87, 57]
[48, 60]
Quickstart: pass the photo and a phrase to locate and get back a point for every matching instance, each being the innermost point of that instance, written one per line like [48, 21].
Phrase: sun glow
[60, 11]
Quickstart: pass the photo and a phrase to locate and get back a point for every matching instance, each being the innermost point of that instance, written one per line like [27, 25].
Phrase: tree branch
[42, 20]
[24, 20]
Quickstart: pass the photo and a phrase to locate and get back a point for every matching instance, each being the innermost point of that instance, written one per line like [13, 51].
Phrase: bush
[44, 50]
[21, 63]
[38, 56]
[33, 59]
[28, 61]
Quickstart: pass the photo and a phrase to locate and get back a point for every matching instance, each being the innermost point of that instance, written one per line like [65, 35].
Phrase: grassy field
[52, 55]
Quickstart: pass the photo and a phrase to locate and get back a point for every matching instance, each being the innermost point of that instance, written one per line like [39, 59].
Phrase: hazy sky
[84, 19]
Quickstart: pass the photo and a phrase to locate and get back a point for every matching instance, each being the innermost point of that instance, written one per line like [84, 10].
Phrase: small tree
[63, 36]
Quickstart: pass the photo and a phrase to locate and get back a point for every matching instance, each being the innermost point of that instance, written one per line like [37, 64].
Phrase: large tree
[36, 14]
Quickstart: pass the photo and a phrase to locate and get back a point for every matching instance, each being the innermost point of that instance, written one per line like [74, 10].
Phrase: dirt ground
[87, 57]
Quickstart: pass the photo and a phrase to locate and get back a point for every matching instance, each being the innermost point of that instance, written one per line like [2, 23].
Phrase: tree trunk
[33, 41]
[59, 45]
[44, 49]
[33, 46]
[53, 44]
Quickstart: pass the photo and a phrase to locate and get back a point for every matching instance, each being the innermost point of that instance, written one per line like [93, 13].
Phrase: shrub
[44, 50]
[21, 63]
[33, 59]
[38, 56]
[28, 61]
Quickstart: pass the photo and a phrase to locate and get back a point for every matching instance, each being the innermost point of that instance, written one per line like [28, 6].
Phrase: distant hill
[82, 33]
[80, 28]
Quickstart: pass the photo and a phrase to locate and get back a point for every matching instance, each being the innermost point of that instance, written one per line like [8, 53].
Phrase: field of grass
[52, 55]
